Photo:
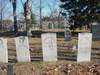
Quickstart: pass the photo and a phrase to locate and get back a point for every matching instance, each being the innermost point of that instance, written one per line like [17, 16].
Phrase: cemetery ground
[65, 49]
[66, 64]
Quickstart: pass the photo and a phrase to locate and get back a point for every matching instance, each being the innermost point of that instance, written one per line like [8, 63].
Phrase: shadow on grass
[34, 34]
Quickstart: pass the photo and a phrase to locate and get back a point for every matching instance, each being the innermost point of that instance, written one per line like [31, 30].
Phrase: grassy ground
[50, 68]
[62, 46]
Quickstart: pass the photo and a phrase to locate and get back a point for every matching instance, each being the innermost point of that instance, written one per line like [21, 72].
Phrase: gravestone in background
[22, 49]
[96, 31]
[84, 47]
[3, 51]
[67, 35]
[49, 46]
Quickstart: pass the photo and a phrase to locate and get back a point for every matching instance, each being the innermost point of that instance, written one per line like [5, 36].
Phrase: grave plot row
[49, 48]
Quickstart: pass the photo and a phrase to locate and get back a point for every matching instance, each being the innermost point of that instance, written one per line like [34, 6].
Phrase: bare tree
[14, 4]
[40, 14]
[27, 14]
[54, 11]
[1, 13]
[37, 6]
[3, 4]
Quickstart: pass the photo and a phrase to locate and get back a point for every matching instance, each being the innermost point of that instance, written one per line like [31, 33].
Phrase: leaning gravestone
[22, 49]
[84, 47]
[96, 31]
[49, 46]
[3, 51]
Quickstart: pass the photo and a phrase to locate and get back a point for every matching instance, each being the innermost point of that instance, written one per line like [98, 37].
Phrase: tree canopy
[81, 12]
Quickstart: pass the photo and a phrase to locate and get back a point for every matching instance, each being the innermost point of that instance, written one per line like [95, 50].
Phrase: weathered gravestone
[96, 31]
[22, 49]
[67, 35]
[84, 47]
[3, 51]
[49, 46]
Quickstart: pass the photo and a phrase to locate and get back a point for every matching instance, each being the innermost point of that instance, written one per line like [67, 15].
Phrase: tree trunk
[40, 15]
[1, 16]
[15, 17]
[27, 12]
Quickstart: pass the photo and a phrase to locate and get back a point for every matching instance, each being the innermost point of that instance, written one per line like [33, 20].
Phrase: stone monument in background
[96, 31]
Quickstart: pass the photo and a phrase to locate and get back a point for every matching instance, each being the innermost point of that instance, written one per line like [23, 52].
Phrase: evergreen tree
[81, 12]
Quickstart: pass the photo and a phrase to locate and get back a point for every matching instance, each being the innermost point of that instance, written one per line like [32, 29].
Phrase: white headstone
[49, 46]
[84, 47]
[22, 49]
[3, 51]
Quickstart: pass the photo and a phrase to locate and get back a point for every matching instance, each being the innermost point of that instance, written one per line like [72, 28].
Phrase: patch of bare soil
[3, 69]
